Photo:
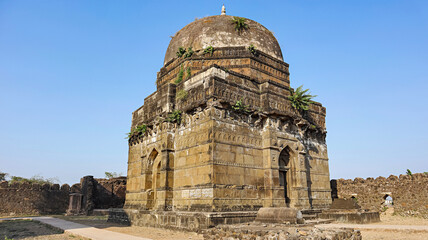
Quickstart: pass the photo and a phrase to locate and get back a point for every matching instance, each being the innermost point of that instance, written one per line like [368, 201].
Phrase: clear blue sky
[72, 72]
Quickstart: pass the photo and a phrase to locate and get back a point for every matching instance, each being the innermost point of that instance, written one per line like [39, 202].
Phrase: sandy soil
[28, 229]
[393, 235]
[147, 232]
[388, 218]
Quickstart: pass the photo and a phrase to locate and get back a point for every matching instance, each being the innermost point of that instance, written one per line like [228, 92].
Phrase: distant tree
[110, 175]
[34, 179]
[409, 173]
[3, 176]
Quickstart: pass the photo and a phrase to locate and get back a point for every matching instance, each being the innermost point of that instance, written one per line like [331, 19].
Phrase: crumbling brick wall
[409, 193]
[25, 198]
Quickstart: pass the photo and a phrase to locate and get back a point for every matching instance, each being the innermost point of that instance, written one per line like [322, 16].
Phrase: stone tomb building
[219, 139]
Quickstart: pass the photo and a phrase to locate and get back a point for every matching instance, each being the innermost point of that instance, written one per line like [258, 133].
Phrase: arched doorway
[284, 178]
[388, 201]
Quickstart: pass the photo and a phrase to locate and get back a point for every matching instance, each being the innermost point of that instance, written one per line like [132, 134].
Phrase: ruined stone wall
[24, 198]
[409, 193]
[110, 193]
[19, 199]
[100, 193]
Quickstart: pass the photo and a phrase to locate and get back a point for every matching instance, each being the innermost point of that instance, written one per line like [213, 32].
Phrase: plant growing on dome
[252, 49]
[240, 24]
[189, 72]
[182, 95]
[299, 98]
[174, 116]
[188, 53]
[179, 75]
[239, 106]
[209, 50]
[181, 51]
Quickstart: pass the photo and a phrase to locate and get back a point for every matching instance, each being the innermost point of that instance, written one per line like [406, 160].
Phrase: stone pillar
[88, 189]
[269, 152]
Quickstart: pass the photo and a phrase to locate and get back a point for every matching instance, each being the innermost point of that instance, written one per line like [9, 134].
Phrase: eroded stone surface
[219, 31]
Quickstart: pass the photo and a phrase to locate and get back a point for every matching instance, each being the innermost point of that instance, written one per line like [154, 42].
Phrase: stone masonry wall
[28, 199]
[99, 193]
[33, 198]
[110, 193]
[409, 193]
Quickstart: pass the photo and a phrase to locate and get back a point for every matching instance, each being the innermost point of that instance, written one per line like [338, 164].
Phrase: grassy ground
[28, 229]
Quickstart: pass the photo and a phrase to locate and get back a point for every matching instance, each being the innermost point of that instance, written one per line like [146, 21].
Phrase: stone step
[311, 211]
[318, 221]
[309, 216]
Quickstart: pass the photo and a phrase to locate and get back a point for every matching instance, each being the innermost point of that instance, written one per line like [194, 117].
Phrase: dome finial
[223, 10]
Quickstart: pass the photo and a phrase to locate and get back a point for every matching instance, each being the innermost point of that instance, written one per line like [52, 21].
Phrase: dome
[219, 31]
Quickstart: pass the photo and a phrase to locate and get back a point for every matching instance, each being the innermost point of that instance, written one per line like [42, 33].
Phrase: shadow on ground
[22, 228]
[92, 221]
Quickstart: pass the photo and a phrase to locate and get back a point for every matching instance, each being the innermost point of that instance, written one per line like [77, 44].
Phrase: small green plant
[239, 106]
[6, 238]
[409, 173]
[188, 53]
[174, 116]
[252, 49]
[209, 50]
[384, 208]
[426, 173]
[179, 75]
[140, 129]
[299, 99]
[181, 51]
[239, 23]
[3, 176]
[313, 126]
[182, 95]
[189, 72]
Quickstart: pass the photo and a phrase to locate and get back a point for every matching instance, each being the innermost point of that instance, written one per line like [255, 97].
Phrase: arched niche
[150, 181]
[284, 162]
